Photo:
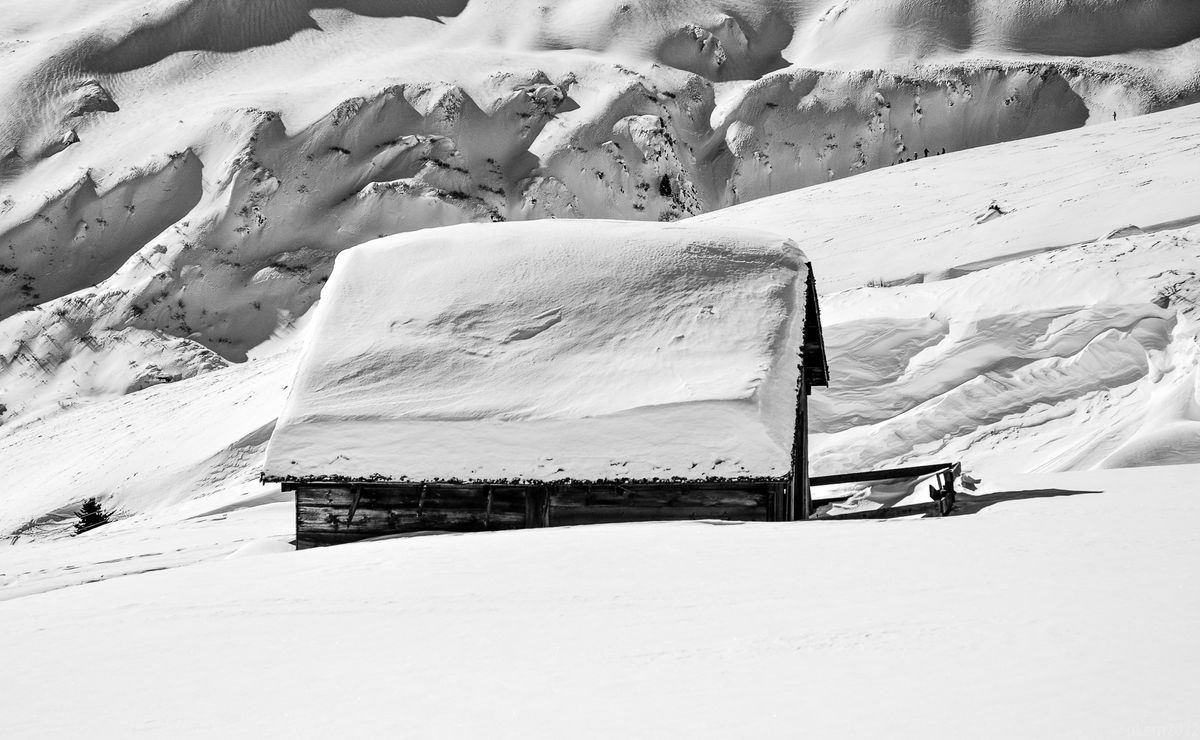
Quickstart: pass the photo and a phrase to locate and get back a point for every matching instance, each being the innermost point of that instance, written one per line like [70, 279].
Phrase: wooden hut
[549, 373]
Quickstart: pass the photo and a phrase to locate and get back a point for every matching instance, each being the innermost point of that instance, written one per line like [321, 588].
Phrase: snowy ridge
[544, 352]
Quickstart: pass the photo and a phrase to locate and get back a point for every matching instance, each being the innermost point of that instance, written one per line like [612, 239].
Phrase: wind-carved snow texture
[1027, 306]
[188, 170]
[1104, 366]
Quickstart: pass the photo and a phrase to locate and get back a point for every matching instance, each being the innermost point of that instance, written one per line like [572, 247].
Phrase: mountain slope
[182, 172]
[1031, 305]
[1018, 338]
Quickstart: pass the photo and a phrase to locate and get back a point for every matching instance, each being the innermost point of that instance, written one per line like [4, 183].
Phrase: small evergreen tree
[91, 515]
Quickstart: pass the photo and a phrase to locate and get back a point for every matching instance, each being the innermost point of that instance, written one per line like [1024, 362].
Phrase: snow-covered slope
[161, 450]
[947, 216]
[1031, 305]
[1058, 606]
[1083, 357]
[177, 175]
[1016, 336]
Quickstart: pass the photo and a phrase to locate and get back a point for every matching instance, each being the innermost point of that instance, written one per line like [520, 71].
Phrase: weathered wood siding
[332, 513]
[605, 503]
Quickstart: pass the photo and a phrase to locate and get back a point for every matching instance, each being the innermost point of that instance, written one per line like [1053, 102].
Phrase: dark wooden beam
[798, 500]
[804, 495]
[815, 365]
[354, 504]
[300, 543]
[537, 506]
[888, 474]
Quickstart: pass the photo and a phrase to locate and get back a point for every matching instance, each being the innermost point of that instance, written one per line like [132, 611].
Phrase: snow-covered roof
[551, 350]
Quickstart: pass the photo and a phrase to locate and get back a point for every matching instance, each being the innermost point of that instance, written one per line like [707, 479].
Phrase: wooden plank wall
[331, 513]
[606, 503]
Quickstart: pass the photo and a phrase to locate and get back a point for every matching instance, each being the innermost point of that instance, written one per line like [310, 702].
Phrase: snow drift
[1031, 305]
[551, 350]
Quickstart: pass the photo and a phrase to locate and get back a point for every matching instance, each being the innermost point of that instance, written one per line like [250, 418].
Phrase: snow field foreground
[1051, 606]
[228, 524]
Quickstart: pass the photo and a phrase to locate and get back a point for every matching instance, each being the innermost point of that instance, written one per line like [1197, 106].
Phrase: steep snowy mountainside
[177, 175]
[946, 216]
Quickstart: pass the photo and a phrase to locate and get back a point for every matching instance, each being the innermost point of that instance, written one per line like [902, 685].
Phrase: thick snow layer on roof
[551, 350]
